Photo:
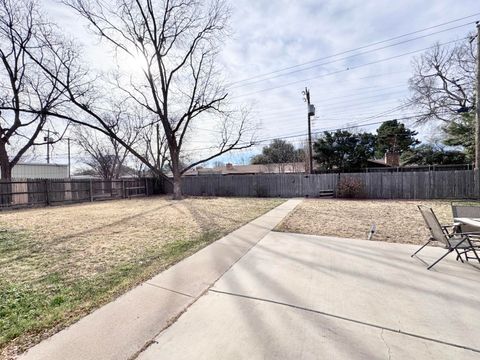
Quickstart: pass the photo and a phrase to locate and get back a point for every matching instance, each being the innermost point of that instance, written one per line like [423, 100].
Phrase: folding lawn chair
[461, 243]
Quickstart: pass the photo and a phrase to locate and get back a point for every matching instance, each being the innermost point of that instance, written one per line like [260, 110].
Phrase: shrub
[350, 188]
[261, 191]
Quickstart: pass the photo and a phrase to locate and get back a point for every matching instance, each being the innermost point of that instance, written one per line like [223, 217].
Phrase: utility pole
[48, 146]
[310, 112]
[49, 141]
[68, 145]
[477, 104]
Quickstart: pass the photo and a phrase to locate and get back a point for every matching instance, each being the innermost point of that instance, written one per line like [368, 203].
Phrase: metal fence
[31, 192]
[453, 184]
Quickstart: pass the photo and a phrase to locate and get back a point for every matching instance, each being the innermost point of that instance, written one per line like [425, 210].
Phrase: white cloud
[270, 35]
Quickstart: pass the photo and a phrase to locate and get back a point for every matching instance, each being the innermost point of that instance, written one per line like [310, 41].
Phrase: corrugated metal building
[39, 171]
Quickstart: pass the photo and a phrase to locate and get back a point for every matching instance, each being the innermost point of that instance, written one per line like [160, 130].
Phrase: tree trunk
[176, 171]
[5, 168]
[177, 186]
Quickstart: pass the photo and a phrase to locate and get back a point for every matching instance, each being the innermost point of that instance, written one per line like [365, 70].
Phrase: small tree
[462, 133]
[106, 156]
[393, 136]
[279, 152]
[343, 150]
[153, 140]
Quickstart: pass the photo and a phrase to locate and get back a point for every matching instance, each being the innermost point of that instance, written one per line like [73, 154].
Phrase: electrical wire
[358, 48]
[347, 69]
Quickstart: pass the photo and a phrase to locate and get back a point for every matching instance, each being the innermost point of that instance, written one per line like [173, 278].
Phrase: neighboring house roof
[86, 176]
[378, 163]
[391, 159]
[230, 169]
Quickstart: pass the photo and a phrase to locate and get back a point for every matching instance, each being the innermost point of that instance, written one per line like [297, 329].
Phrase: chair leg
[436, 262]
[459, 256]
[416, 252]
[474, 251]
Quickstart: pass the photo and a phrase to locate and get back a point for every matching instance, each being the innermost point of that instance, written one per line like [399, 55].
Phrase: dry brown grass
[59, 263]
[396, 221]
[82, 240]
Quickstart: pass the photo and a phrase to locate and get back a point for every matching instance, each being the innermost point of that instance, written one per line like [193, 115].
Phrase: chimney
[392, 158]
[229, 166]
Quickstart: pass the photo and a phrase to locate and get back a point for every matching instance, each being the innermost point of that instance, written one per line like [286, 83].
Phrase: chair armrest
[469, 233]
[473, 237]
[454, 227]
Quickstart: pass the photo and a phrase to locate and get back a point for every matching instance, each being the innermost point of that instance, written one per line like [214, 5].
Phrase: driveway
[309, 297]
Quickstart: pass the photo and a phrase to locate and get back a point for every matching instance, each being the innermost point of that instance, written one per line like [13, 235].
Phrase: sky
[348, 88]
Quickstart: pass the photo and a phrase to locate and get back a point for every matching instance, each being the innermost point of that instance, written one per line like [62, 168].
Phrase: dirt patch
[59, 263]
[396, 221]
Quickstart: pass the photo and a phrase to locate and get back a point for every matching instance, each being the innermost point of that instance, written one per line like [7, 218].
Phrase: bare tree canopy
[23, 85]
[175, 44]
[443, 81]
[105, 155]
[155, 146]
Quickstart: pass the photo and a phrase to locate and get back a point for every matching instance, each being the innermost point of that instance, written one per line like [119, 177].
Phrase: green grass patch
[31, 308]
[57, 266]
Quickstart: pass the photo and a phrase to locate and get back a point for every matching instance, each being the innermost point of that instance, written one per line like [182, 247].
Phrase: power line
[358, 122]
[360, 102]
[336, 82]
[362, 106]
[347, 69]
[315, 132]
[356, 49]
[349, 57]
[299, 107]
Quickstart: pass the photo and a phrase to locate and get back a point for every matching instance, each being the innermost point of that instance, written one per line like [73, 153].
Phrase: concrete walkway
[307, 297]
[121, 329]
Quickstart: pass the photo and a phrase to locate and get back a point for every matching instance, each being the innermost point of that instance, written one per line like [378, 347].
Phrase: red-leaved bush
[350, 188]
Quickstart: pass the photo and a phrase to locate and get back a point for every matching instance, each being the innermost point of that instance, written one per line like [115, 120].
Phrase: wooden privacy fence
[264, 185]
[29, 192]
[458, 184]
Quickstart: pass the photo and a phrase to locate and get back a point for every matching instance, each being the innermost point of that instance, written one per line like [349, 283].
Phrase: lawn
[396, 221]
[59, 263]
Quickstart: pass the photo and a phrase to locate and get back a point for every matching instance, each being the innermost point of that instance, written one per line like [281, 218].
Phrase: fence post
[336, 185]
[476, 182]
[146, 187]
[123, 189]
[47, 197]
[91, 190]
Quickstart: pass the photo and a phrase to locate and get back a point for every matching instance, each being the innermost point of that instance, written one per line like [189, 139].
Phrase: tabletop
[468, 221]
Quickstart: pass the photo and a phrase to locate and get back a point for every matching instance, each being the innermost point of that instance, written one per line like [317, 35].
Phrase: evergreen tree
[394, 136]
[343, 150]
[462, 133]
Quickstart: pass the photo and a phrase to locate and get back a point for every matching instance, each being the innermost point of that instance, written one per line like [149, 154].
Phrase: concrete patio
[308, 297]
[258, 294]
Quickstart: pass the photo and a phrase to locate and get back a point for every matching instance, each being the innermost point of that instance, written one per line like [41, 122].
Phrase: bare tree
[443, 81]
[155, 146]
[177, 43]
[22, 83]
[106, 156]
